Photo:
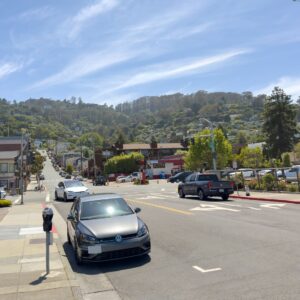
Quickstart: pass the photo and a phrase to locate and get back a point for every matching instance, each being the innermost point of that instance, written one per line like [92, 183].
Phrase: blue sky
[110, 51]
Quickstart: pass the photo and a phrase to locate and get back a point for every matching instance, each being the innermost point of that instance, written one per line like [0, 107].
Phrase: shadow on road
[209, 199]
[92, 268]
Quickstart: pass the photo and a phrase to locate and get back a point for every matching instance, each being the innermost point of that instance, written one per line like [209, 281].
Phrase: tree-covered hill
[165, 118]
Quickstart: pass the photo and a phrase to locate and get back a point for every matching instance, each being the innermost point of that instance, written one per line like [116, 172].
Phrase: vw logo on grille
[118, 238]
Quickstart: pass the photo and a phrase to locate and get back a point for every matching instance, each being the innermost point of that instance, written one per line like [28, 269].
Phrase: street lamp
[212, 143]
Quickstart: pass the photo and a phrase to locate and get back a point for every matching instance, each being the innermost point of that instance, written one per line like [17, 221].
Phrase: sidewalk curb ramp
[264, 199]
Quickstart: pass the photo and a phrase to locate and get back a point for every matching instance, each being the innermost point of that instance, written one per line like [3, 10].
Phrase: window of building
[11, 168]
[159, 166]
[3, 168]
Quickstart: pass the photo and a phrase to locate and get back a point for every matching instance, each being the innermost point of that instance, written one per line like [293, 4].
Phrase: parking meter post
[47, 227]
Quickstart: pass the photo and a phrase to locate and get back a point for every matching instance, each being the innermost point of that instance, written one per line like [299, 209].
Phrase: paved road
[202, 249]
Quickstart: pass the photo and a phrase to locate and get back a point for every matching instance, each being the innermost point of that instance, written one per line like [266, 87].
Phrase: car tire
[78, 257]
[56, 197]
[225, 197]
[181, 193]
[65, 197]
[201, 195]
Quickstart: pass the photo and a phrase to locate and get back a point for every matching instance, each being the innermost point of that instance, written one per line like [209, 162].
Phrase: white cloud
[8, 68]
[36, 14]
[291, 86]
[75, 24]
[179, 68]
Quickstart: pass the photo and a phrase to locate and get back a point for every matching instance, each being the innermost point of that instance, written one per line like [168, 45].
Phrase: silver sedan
[103, 227]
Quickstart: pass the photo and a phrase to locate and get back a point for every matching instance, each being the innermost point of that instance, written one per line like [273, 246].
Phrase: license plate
[97, 249]
[221, 190]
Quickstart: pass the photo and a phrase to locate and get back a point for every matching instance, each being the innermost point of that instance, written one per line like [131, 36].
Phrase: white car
[120, 178]
[291, 174]
[2, 192]
[70, 190]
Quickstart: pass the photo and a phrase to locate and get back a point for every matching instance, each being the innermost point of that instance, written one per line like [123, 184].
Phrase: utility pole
[81, 159]
[21, 172]
[94, 160]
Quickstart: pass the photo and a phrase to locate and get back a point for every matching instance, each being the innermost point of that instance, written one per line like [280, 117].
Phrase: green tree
[286, 161]
[69, 169]
[200, 153]
[279, 124]
[251, 157]
[38, 163]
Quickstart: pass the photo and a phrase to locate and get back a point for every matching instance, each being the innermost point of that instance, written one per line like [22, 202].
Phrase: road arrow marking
[206, 271]
[254, 208]
[48, 197]
[272, 205]
[209, 207]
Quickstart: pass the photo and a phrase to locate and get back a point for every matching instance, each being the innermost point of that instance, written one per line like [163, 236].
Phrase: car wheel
[201, 195]
[65, 197]
[181, 193]
[225, 197]
[78, 257]
[56, 197]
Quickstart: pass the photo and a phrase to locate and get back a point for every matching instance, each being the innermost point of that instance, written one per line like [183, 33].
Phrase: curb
[264, 199]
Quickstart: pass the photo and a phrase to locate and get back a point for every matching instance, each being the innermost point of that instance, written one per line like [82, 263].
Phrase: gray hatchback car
[103, 227]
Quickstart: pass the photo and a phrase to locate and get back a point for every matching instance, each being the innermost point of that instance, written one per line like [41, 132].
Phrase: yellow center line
[162, 207]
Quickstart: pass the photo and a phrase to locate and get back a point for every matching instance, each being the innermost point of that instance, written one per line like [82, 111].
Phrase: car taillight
[232, 184]
[209, 185]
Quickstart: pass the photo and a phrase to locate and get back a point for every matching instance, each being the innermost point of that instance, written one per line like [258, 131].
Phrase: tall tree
[279, 123]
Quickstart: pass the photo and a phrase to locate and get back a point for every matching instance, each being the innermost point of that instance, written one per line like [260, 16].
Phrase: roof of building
[138, 146]
[9, 154]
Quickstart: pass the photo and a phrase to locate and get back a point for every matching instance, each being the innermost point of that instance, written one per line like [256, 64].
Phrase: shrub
[252, 184]
[282, 186]
[292, 188]
[268, 182]
[139, 181]
[5, 203]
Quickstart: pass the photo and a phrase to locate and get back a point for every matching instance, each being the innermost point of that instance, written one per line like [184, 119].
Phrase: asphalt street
[211, 249]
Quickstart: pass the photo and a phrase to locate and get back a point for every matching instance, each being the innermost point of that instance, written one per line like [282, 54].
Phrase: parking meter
[47, 219]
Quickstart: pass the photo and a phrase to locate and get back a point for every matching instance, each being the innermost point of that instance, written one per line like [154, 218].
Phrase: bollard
[247, 190]
[47, 227]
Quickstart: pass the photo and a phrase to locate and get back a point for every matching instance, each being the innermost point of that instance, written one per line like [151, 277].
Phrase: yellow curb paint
[163, 207]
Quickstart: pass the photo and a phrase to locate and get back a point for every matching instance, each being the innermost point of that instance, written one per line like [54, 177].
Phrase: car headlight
[143, 230]
[87, 239]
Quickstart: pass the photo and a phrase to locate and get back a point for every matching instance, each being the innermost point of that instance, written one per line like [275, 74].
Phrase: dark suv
[179, 177]
[100, 180]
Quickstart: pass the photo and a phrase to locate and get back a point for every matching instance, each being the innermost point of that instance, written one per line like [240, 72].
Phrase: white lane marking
[48, 197]
[207, 270]
[30, 230]
[254, 208]
[272, 205]
[17, 200]
[162, 190]
[31, 260]
[208, 207]
[233, 205]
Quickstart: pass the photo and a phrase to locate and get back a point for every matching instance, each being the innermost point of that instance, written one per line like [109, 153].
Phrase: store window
[3, 168]
[11, 168]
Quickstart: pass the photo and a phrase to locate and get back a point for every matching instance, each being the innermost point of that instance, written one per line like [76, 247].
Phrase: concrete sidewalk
[268, 196]
[22, 259]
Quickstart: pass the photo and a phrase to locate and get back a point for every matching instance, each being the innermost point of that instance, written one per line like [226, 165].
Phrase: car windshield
[73, 183]
[104, 209]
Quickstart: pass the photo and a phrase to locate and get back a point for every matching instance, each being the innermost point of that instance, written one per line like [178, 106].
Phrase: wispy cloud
[75, 24]
[180, 68]
[36, 14]
[291, 86]
[85, 65]
[8, 68]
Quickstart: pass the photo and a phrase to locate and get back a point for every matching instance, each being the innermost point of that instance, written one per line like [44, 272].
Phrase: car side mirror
[137, 210]
[70, 217]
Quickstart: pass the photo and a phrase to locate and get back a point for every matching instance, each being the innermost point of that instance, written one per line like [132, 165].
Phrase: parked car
[68, 176]
[70, 190]
[292, 174]
[2, 192]
[135, 176]
[103, 227]
[42, 176]
[119, 178]
[100, 180]
[204, 185]
[179, 177]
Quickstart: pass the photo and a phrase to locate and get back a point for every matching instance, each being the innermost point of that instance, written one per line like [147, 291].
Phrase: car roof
[70, 180]
[100, 196]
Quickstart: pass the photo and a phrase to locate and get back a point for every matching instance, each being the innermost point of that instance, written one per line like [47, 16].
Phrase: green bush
[5, 203]
[139, 181]
[282, 186]
[252, 184]
[268, 182]
[292, 188]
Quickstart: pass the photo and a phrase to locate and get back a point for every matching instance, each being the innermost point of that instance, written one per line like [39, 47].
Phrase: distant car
[100, 180]
[80, 178]
[42, 176]
[103, 227]
[68, 176]
[2, 192]
[179, 177]
[70, 190]
[135, 176]
[120, 178]
[293, 174]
